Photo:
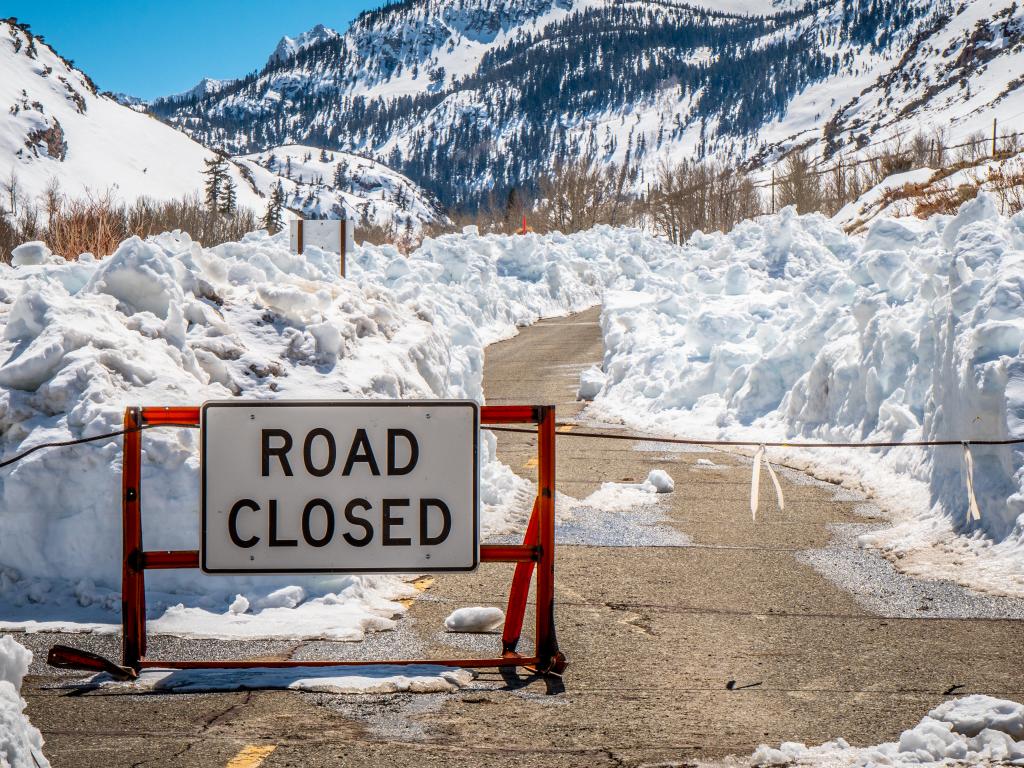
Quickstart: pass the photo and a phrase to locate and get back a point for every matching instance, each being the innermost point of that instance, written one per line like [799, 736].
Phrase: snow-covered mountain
[55, 125]
[208, 86]
[482, 94]
[287, 47]
[474, 97]
[321, 184]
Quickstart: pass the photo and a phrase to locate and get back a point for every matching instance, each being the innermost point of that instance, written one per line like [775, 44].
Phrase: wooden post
[994, 124]
[298, 232]
[773, 190]
[344, 245]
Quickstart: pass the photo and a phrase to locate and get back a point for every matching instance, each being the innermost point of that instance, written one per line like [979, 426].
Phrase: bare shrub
[580, 195]
[801, 185]
[975, 147]
[98, 223]
[701, 196]
[1007, 183]
[86, 225]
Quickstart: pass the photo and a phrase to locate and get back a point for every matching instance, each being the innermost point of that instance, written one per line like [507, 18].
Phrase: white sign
[326, 234]
[339, 487]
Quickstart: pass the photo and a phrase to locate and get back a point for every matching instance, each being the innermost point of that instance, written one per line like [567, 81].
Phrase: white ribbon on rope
[755, 482]
[973, 510]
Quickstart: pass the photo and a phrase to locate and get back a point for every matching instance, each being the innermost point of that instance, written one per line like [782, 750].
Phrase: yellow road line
[252, 756]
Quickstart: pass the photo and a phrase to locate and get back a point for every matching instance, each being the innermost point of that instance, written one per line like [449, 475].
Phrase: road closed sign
[339, 487]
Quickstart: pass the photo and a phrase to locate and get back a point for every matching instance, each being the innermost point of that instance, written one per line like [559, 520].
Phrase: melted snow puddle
[381, 678]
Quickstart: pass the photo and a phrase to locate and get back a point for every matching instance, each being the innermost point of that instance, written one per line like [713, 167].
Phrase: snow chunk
[286, 597]
[29, 254]
[659, 481]
[475, 620]
[591, 382]
[239, 605]
[142, 278]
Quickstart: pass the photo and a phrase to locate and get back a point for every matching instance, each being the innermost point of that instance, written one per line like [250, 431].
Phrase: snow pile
[166, 322]
[475, 620]
[788, 328]
[21, 745]
[974, 730]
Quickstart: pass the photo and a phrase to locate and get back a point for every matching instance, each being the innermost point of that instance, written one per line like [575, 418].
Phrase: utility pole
[773, 190]
[994, 124]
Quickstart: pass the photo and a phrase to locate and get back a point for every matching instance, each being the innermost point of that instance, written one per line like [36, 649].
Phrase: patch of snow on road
[21, 744]
[973, 730]
[620, 515]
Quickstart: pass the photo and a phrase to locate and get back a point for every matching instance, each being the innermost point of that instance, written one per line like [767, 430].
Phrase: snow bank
[21, 744]
[165, 321]
[974, 730]
[788, 328]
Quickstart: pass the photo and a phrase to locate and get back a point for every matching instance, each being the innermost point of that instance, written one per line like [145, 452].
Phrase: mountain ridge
[475, 98]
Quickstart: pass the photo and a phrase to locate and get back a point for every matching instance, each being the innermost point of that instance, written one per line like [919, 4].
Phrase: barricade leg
[547, 644]
[133, 585]
[519, 591]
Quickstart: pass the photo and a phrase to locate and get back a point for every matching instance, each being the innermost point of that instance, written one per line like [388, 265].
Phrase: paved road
[677, 653]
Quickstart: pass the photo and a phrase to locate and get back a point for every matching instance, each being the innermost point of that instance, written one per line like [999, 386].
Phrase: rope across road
[753, 443]
[761, 458]
[563, 430]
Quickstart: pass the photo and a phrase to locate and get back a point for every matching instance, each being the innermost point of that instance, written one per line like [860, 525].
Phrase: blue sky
[152, 49]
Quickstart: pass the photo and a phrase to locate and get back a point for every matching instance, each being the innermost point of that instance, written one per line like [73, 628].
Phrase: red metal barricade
[537, 552]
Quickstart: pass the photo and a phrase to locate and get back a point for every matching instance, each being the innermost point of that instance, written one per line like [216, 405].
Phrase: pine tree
[229, 206]
[323, 156]
[340, 175]
[272, 219]
[216, 174]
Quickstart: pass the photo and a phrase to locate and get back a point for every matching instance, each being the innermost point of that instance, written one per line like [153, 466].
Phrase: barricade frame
[536, 553]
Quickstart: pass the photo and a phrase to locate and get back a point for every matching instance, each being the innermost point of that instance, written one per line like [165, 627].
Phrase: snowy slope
[53, 125]
[370, 192]
[963, 70]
